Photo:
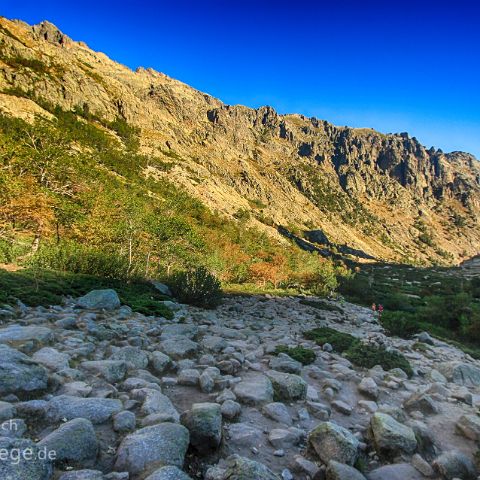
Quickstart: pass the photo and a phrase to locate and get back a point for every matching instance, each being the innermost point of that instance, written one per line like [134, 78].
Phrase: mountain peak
[51, 33]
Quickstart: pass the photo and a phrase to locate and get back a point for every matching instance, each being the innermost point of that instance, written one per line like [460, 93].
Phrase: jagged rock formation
[385, 195]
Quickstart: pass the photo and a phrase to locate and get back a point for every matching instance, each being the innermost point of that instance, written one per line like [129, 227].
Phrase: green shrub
[367, 356]
[77, 258]
[43, 287]
[338, 340]
[197, 287]
[322, 305]
[400, 324]
[305, 356]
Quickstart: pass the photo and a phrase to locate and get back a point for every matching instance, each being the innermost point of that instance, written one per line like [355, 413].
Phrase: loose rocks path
[96, 392]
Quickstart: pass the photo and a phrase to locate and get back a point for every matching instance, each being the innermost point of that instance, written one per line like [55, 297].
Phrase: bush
[368, 356]
[305, 356]
[338, 340]
[322, 305]
[197, 287]
[77, 258]
[43, 287]
[400, 324]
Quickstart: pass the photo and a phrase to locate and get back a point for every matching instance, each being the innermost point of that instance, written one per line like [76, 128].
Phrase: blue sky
[394, 66]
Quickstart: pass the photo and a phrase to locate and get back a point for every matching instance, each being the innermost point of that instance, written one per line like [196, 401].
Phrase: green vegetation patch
[36, 287]
[321, 305]
[400, 324]
[197, 287]
[368, 356]
[305, 356]
[338, 340]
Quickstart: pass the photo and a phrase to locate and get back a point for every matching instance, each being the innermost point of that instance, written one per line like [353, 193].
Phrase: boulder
[340, 471]
[168, 473]
[160, 362]
[278, 411]
[179, 330]
[461, 373]
[333, 442]
[100, 299]
[19, 374]
[153, 447]
[244, 435]
[241, 468]
[282, 438]
[287, 386]
[155, 402]
[16, 335]
[162, 288]
[455, 464]
[396, 471]
[19, 467]
[204, 422]
[112, 371]
[469, 427]
[255, 390]
[51, 358]
[284, 363]
[390, 436]
[421, 402]
[134, 357]
[230, 409]
[368, 387]
[97, 410]
[179, 347]
[124, 421]
[73, 441]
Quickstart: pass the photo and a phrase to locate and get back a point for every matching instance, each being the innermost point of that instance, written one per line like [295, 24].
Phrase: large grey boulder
[162, 288]
[241, 468]
[168, 473]
[204, 422]
[287, 386]
[97, 410]
[134, 357]
[19, 374]
[469, 426]
[178, 347]
[112, 371]
[153, 447]
[455, 464]
[396, 471]
[73, 441]
[284, 363]
[100, 299]
[421, 402]
[160, 362]
[390, 436]
[257, 389]
[179, 329]
[18, 467]
[340, 471]
[278, 411]
[461, 373]
[51, 358]
[155, 402]
[15, 335]
[333, 442]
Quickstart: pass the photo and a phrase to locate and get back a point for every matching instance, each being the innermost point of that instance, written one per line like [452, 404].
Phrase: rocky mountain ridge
[384, 195]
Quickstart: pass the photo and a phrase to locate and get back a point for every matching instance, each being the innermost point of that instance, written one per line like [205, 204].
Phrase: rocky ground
[118, 395]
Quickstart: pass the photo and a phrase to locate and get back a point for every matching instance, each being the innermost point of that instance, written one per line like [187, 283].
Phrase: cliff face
[382, 194]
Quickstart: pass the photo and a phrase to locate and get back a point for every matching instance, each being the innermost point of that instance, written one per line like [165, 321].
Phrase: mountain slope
[385, 195]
